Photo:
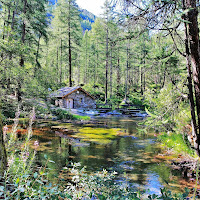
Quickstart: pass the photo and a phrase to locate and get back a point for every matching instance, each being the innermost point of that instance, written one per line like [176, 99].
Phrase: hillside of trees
[87, 18]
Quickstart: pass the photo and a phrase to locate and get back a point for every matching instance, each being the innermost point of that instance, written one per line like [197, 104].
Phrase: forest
[142, 53]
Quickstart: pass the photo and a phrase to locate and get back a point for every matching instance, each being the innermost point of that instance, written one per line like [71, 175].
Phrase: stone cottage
[73, 98]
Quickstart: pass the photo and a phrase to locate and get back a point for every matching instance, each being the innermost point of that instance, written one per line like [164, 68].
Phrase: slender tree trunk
[97, 65]
[57, 65]
[23, 32]
[8, 20]
[3, 33]
[111, 73]
[4, 27]
[126, 76]
[21, 63]
[37, 55]
[164, 77]
[144, 76]
[78, 70]
[3, 160]
[118, 72]
[13, 19]
[141, 80]
[70, 61]
[70, 48]
[107, 56]
[60, 62]
[86, 57]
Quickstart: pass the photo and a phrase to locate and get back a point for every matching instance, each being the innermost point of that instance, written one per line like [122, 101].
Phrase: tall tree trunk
[111, 73]
[126, 76]
[97, 65]
[86, 57]
[78, 70]
[107, 56]
[193, 59]
[13, 18]
[141, 80]
[70, 60]
[164, 77]
[70, 50]
[3, 155]
[144, 77]
[36, 57]
[61, 62]
[57, 65]
[3, 33]
[23, 32]
[118, 72]
[21, 63]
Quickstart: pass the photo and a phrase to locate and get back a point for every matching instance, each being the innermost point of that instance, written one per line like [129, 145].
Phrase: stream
[111, 143]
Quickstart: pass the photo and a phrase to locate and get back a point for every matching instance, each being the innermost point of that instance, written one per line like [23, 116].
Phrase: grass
[78, 117]
[176, 142]
[63, 114]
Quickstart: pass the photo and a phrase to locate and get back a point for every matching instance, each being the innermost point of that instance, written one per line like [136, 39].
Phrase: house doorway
[70, 103]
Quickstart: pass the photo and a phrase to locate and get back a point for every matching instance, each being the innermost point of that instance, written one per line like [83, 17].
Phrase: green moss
[98, 135]
[176, 142]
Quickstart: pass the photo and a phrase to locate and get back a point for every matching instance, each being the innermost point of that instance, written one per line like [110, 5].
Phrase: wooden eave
[77, 90]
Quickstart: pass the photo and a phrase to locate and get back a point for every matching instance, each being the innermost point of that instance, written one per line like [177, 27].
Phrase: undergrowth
[63, 114]
[176, 142]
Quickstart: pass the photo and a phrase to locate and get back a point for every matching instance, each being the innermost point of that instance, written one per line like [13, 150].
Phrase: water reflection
[112, 144]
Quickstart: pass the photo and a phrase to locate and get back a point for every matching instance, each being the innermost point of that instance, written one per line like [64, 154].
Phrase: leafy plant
[63, 114]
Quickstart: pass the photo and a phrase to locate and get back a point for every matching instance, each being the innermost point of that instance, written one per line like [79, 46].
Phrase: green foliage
[136, 99]
[176, 142]
[8, 107]
[163, 108]
[63, 114]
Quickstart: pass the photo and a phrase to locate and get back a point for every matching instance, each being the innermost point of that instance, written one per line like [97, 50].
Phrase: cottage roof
[63, 92]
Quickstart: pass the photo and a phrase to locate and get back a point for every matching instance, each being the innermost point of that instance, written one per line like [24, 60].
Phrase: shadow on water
[107, 143]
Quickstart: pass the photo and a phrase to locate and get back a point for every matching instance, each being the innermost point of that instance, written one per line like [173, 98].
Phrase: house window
[81, 100]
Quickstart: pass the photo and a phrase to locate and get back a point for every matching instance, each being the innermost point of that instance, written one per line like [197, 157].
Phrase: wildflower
[75, 179]
[36, 144]
[155, 135]
[5, 129]
[10, 161]
[24, 158]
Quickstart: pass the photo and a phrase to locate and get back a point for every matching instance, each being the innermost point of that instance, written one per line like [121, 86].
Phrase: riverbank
[184, 164]
[106, 143]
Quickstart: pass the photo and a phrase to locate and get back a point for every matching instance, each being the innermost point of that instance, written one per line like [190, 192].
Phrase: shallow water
[114, 144]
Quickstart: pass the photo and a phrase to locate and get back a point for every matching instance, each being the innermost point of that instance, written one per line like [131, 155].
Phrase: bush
[176, 142]
[63, 114]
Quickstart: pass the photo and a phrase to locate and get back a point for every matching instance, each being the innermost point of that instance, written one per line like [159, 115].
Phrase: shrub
[63, 114]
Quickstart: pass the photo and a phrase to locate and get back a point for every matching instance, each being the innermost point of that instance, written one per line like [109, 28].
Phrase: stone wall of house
[81, 100]
[59, 102]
